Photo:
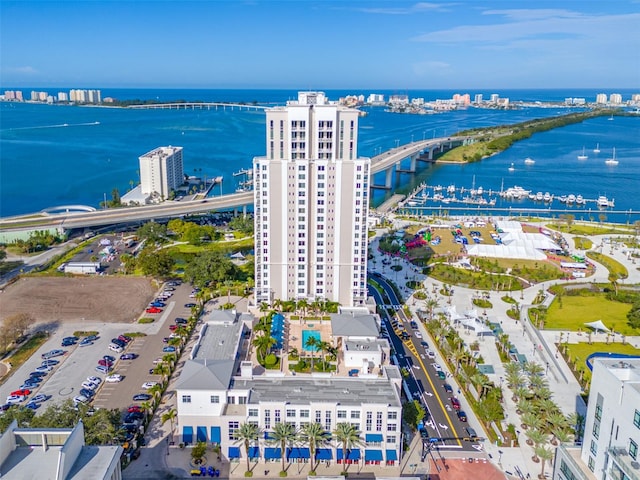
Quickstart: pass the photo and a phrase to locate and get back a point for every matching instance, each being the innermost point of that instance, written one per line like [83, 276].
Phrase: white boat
[437, 188]
[580, 200]
[516, 192]
[547, 197]
[612, 160]
[611, 117]
[562, 198]
[539, 196]
[571, 198]
[529, 161]
[597, 149]
[512, 168]
[480, 191]
[451, 189]
[602, 201]
[583, 156]
[532, 196]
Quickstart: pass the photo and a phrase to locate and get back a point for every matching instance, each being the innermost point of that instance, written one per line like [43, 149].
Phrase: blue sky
[321, 44]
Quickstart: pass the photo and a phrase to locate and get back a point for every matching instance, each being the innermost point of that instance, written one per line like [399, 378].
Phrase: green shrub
[145, 320]
[270, 360]
[82, 333]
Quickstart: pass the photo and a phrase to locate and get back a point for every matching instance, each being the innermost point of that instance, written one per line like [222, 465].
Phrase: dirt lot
[103, 299]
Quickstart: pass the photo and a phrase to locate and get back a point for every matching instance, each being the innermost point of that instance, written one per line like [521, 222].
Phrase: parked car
[129, 356]
[133, 416]
[44, 369]
[116, 348]
[89, 385]
[142, 397]
[80, 399]
[148, 385]
[85, 342]
[417, 334]
[455, 403]
[120, 343]
[462, 416]
[431, 354]
[181, 321]
[20, 393]
[153, 310]
[41, 397]
[110, 358]
[157, 304]
[68, 343]
[124, 338]
[105, 362]
[115, 378]
[13, 399]
[95, 380]
[173, 328]
[85, 392]
[425, 345]
[189, 305]
[70, 339]
[169, 349]
[447, 388]
[53, 353]
[32, 405]
[37, 375]
[103, 369]
[441, 375]
[471, 432]
[134, 408]
[50, 363]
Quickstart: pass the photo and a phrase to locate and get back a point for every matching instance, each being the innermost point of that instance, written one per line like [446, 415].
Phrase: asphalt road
[423, 382]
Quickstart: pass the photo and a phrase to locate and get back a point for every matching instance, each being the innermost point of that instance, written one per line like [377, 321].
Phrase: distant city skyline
[321, 44]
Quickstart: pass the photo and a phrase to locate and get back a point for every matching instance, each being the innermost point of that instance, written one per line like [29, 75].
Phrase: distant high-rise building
[495, 97]
[601, 98]
[477, 98]
[615, 99]
[375, 98]
[161, 171]
[311, 204]
[63, 97]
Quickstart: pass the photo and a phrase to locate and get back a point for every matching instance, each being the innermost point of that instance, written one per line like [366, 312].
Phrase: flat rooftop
[220, 335]
[308, 390]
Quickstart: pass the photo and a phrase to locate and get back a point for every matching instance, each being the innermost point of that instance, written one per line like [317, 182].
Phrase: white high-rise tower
[311, 205]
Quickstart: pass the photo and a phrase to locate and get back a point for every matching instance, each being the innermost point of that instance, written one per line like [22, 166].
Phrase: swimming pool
[306, 335]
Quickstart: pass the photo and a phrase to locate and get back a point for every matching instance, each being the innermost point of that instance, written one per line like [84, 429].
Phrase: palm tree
[263, 343]
[283, 434]
[531, 420]
[325, 347]
[315, 436]
[146, 407]
[156, 391]
[545, 455]
[247, 433]
[302, 304]
[349, 437]
[533, 369]
[169, 416]
[312, 344]
[520, 393]
[536, 437]
[560, 436]
[512, 368]
[576, 421]
[458, 356]
[525, 406]
[162, 369]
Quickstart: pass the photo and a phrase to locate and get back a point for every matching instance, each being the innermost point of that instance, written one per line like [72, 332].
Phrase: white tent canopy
[505, 251]
[597, 326]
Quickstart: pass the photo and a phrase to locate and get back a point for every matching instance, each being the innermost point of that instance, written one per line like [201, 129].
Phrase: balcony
[623, 466]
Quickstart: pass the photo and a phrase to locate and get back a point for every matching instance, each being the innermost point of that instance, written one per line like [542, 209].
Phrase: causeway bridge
[197, 106]
[64, 218]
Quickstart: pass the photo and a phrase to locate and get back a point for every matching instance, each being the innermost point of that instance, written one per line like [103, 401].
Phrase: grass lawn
[588, 229]
[578, 310]
[580, 351]
[614, 267]
[583, 243]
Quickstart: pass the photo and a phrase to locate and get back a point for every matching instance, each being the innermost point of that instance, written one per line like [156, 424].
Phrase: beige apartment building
[311, 204]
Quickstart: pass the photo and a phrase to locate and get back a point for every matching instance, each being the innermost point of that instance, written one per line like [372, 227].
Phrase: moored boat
[582, 156]
[529, 161]
[612, 161]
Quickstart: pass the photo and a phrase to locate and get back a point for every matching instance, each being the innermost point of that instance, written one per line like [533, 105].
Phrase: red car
[134, 408]
[21, 393]
[153, 310]
[455, 402]
[173, 328]
[105, 363]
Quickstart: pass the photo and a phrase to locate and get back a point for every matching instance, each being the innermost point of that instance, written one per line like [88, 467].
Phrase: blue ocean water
[59, 155]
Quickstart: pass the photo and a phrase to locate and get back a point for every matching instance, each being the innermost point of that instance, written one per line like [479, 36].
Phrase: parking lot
[78, 363]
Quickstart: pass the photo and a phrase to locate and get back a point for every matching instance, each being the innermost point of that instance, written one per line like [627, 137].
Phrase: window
[633, 449]
[267, 419]
[594, 447]
[355, 414]
[291, 413]
[391, 439]
[564, 468]
[342, 414]
[215, 399]
[233, 426]
[598, 412]
[186, 398]
[591, 464]
[391, 427]
[596, 429]
[392, 415]
[277, 416]
[636, 418]
[253, 412]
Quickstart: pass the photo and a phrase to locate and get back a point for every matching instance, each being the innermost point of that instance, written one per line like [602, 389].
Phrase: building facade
[161, 171]
[311, 203]
[612, 427]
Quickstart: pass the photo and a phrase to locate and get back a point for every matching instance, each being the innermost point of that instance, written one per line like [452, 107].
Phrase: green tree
[152, 232]
[157, 263]
[545, 454]
[263, 343]
[412, 413]
[199, 450]
[169, 416]
[247, 434]
[192, 234]
[101, 427]
[349, 437]
[283, 434]
[209, 267]
[315, 436]
[242, 223]
[22, 415]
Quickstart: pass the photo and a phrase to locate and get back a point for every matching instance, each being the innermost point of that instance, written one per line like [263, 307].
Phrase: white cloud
[415, 8]
[431, 67]
[26, 70]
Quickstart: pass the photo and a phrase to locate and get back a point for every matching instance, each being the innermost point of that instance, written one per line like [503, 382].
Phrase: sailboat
[583, 156]
[612, 160]
[611, 117]
[512, 168]
[597, 149]
[529, 161]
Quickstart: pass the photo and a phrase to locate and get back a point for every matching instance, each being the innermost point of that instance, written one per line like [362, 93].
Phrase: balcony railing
[623, 465]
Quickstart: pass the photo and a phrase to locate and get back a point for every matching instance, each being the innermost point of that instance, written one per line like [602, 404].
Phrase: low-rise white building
[220, 389]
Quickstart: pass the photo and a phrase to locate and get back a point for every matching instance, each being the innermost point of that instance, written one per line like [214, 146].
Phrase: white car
[80, 399]
[417, 334]
[89, 385]
[94, 380]
[431, 354]
[11, 399]
[115, 378]
[148, 385]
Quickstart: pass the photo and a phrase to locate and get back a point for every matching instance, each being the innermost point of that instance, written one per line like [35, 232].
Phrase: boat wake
[59, 125]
